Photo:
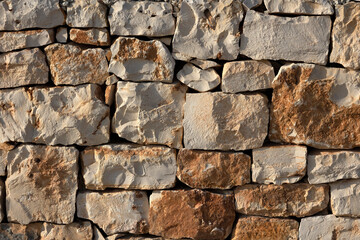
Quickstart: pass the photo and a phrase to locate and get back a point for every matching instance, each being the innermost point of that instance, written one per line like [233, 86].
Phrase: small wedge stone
[94, 36]
[62, 35]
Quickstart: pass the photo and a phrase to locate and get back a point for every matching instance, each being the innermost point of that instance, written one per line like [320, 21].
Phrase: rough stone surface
[260, 228]
[22, 68]
[2, 199]
[150, 113]
[192, 214]
[116, 211]
[4, 150]
[297, 200]
[205, 64]
[94, 36]
[252, 3]
[10, 41]
[279, 164]
[215, 170]
[72, 65]
[141, 18]
[301, 7]
[137, 60]
[62, 35]
[346, 36]
[316, 106]
[60, 115]
[208, 29]
[198, 79]
[225, 121]
[330, 166]
[345, 198]
[110, 94]
[87, 14]
[17, 15]
[41, 174]
[248, 75]
[294, 39]
[140, 238]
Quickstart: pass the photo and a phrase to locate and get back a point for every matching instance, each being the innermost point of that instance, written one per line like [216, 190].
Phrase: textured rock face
[308, 100]
[208, 29]
[41, 174]
[260, 228]
[198, 79]
[150, 113]
[87, 14]
[17, 15]
[192, 214]
[60, 115]
[23, 68]
[146, 18]
[297, 200]
[302, 7]
[2, 198]
[252, 3]
[345, 36]
[205, 64]
[94, 36]
[330, 166]
[294, 39]
[69, 64]
[225, 121]
[4, 150]
[62, 35]
[279, 164]
[10, 41]
[345, 197]
[215, 170]
[244, 76]
[113, 212]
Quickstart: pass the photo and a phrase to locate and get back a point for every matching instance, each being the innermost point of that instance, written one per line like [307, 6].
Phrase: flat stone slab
[93, 36]
[300, 7]
[86, 14]
[345, 198]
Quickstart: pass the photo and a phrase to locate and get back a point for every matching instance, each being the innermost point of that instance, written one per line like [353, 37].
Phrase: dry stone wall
[192, 119]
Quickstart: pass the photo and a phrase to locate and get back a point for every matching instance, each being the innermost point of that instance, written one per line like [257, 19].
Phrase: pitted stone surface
[86, 14]
[94, 36]
[300, 7]
[345, 198]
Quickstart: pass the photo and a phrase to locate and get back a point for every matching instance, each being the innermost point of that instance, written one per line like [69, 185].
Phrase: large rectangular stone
[345, 198]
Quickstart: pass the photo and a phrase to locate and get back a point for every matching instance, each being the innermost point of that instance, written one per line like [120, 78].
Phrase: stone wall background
[197, 119]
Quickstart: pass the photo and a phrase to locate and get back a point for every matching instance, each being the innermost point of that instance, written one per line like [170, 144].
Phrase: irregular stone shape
[345, 198]
[242, 76]
[72, 65]
[140, 238]
[215, 170]
[301, 7]
[116, 211]
[2, 199]
[297, 200]
[260, 228]
[98, 234]
[279, 164]
[283, 38]
[308, 100]
[60, 115]
[22, 14]
[225, 121]
[251, 4]
[110, 94]
[4, 150]
[93, 36]
[150, 113]
[137, 60]
[23, 68]
[41, 174]
[345, 36]
[62, 35]
[10, 41]
[143, 18]
[87, 14]
[129, 166]
[111, 80]
[192, 214]
[198, 79]
[205, 64]
[208, 29]
[330, 166]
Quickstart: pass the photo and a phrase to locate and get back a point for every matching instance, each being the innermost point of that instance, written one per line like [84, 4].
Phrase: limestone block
[345, 198]
[86, 14]
[252, 3]
[61, 35]
[93, 36]
[300, 7]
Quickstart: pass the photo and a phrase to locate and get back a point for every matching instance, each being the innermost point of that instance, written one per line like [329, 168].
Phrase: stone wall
[198, 119]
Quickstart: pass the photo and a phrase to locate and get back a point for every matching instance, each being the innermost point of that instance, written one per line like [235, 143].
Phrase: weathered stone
[10, 41]
[225, 121]
[116, 211]
[301, 7]
[205, 64]
[23, 68]
[330, 166]
[302, 38]
[309, 100]
[150, 113]
[4, 150]
[93, 36]
[165, 40]
[260, 228]
[62, 35]
[137, 60]
[17, 15]
[215, 170]
[245, 76]
[345, 198]
[2, 199]
[141, 238]
[192, 214]
[41, 174]
[297, 200]
[345, 36]
[110, 80]
[143, 18]
[116, 236]
[110, 94]
[251, 4]
[60, 115]
[87, 14]
[279, 164]
[198, 79]
[208, 29]
[72, 65]
[98, 234]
